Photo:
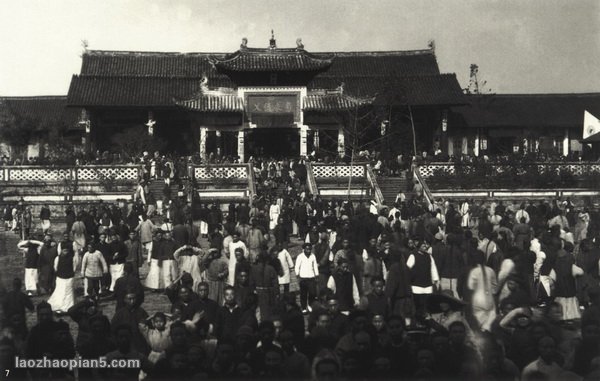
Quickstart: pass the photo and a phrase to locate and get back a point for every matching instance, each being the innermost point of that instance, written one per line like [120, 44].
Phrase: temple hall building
[507, 123]
[268, 101]
[289, 102]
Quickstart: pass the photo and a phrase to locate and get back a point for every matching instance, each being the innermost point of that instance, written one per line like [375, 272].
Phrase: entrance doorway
[272, 142]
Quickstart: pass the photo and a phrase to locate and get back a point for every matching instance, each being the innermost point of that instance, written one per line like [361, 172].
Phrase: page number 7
[7, 372]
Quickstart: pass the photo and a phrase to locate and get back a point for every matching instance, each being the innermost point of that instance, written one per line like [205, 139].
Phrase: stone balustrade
[576, 168]
[333, 170]
[220, 171]
[58, 174]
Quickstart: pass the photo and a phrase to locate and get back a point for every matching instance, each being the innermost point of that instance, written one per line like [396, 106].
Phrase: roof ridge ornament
[244, 44]
[272, 41]
[299, 44]
[431, 45]
[204, 84]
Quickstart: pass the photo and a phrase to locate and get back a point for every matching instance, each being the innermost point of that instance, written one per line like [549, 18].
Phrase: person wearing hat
[216, 268]
[444, 309]
[307, 270]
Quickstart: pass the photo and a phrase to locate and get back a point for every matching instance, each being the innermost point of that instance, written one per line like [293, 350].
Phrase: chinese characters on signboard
[273, 104]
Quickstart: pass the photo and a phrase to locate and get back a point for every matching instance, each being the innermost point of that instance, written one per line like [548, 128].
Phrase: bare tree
[16, 130]
[476, 85]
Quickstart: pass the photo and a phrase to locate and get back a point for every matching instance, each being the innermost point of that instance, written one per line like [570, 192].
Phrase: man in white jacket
[307, 270]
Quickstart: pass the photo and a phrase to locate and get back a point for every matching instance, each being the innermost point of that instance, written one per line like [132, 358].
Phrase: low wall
[576, 168]
[321, 170]
[516, 194]
[60, 174]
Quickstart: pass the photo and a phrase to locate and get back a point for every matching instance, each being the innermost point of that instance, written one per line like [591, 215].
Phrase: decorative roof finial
[431, 45]
[244, 43]
[204, 83]
[272, 42]
[299, 44]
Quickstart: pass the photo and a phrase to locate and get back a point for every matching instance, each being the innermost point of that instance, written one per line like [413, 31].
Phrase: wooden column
[240, 146]
[444, 128]
[86, 123]
[218, 143]
[565, 145]
[341, 143]
[303, 142]
[476, 148]
[150, 123]
[203, 132]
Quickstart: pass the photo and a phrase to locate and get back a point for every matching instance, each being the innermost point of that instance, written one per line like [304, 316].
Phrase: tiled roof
[526, 110]
[124, 91]
[147, 64]
[422, 90]
[382, 64]
[44, 110]
[186, 65]
[214, 103]
[261, 60]
[157, 79]
[330, 102]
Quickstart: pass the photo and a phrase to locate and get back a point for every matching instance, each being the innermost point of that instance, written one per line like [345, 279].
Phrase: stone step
[156, 188]
[390, 186]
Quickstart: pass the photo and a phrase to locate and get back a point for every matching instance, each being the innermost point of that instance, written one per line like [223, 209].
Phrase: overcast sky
[521, 46]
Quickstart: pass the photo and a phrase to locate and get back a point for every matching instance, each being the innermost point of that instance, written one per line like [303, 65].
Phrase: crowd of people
[290, 285]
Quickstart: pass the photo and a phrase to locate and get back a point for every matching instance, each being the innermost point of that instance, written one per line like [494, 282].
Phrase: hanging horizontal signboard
[283, 104]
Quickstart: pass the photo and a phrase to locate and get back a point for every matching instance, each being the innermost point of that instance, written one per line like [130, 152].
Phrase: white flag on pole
[591, 125]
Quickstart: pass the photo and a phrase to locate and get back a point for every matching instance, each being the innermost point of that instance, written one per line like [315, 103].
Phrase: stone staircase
[156, 187]
[390, 186]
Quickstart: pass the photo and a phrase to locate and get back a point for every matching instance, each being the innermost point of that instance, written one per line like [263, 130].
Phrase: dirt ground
[12, 265]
